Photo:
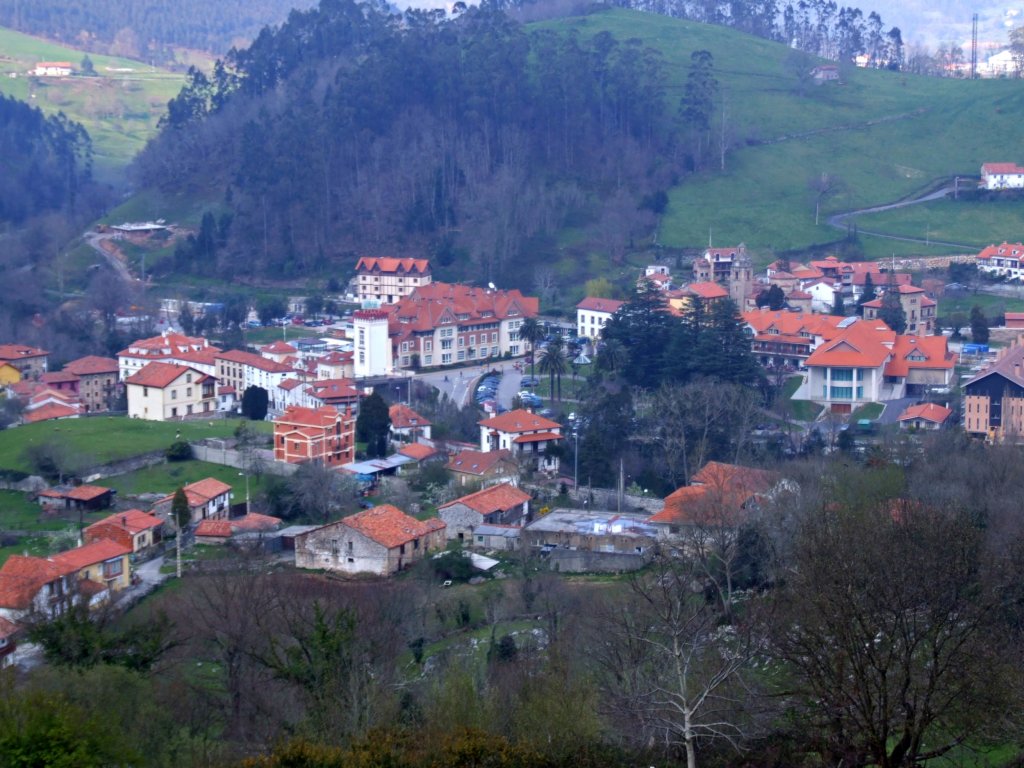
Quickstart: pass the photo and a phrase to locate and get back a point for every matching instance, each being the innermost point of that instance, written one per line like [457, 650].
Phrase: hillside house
[484, 467]
[30, 361]
[592, 314]
[321, 435]
[502, 504]
[407, 425]
[924, 416]
[101, 568]
[1002, 260]
[382, 541]
[165, 391]
[87, 498]
[207, 499]
[52, 69]
[1002, 176]
[132, 528]
[99, 386]
[525, 434]
[35, 587]
[174, 348]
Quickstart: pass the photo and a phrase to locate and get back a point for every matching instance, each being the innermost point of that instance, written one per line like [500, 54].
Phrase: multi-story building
[322, 435]
[163, 391]
[208, 499]
[389, 279]
[919, 310]
[525, 434]
[31, 362]
[373, 347]
[1002, 260]
[994, 399]
[729, 267]
[99, 385]
[786, 339]
[175, 348]
[446, 324]
[1002, 176]
[592, 314]
[242, 370]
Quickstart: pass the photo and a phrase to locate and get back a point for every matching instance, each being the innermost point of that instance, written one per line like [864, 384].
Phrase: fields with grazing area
[102, 439]
[166, 478]
[885, 135]
[120, 107]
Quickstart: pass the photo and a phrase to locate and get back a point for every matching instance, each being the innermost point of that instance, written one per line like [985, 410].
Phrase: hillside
[120, 107]
[876, 136]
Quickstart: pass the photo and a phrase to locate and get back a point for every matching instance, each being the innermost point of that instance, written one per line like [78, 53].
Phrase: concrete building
[387, 280]
[525, 434]
[994, 399]
[242, 370]
[919, 309]
[593, 314]
[373, 351]
[382, 541]
[502, 504]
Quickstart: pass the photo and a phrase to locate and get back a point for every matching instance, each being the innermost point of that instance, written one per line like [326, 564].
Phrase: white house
[1002, 176]
[592, 314]
[52, 69]
[164, 391]
[525, 434]
[1002, 260]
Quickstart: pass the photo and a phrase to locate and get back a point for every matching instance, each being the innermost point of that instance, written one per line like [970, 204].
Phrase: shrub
[180, 450]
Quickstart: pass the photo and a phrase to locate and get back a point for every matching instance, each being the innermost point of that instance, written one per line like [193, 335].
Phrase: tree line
[472, 139]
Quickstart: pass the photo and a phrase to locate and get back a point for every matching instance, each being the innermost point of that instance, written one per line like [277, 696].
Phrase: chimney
[124, 521]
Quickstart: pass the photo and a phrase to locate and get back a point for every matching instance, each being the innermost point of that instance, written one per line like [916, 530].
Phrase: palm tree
[613, 356]
[554, 363]
[531, 332]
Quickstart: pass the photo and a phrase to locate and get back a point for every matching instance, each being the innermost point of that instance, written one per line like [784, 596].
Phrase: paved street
[460, 384]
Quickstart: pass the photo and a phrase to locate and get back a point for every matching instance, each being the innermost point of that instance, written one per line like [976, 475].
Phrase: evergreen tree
[772, 297]
[838, 307]
[182, 516]
[374, 425]
[867, 295]
[644, 328]
[892, 313]
[979, 326]
[255, 403]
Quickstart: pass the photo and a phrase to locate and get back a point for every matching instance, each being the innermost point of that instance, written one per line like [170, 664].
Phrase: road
[95, 241]
[460, 384]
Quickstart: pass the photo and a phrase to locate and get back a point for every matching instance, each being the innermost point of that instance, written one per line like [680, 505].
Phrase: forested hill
[45, 161]
[472, 140]
[147, 29]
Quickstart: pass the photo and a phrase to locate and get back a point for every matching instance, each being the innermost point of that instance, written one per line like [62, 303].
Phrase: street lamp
[246, 474]
[575, 454]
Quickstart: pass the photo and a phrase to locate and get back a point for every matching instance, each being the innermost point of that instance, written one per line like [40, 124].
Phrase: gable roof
[1013, 250]
[453, 303]
[389, 526]
[927, 411]
[717, 495]
[473, 462]
[392, 265]
[131, 520]
[91, 365]
[208, 488]
[593, 304]
[159, 375]
[21, 578]
[862, 344]
[9, 352]
[1001, 168]
[51, 411]
[404, 417]
[253, 361]
[90, 554]
[254, 521]
[519, 420]
[1009, 366]
[933, 349]
[418, 451]
[495, 498]
[323, 417]
[278, 347]
[214, 528]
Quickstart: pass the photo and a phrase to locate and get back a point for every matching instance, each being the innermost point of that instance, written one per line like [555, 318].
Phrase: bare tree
[667, 663]
[823, 186]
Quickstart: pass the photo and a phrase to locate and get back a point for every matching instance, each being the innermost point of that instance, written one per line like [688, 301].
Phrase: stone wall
[232, 458]
[581, 561]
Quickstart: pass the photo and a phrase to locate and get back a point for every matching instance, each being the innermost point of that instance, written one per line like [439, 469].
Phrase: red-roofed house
[525, 434]
[1002, 176]
[1002, 260]
[339, 394]
[213, 531]
[781, 338]
[34, 586]
[388, 280]
[335, 365]
[168, 347]
[483, 467]
[242, 370]
[680, 300]
[502, 504]
[420, 452]
[592, 314]
[102, 562]
[408, 425]
[164, 391]
[207, 499]
[31, 362]
[920, 310]
[132, 528]
[381, 541]
[278, 351]
[99, 386]
[730, 267]
[85, 497]
[924, 416]
[314, 434]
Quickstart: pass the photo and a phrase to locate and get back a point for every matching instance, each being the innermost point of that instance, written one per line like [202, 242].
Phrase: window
[494, 338]
[472, 339]
[174, 394]
[842, 374]
[335, 549]
[113, 568]
[842, 393]
[350, 547]
[188, 392]
[145, 391]
[462, 341]
[428, 346]
[446, 358]
[428, 360]
[188, 378]
[462, 354]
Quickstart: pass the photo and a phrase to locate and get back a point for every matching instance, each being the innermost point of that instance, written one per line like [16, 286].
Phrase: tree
[698, 101]
[270, 308]
[179, 450]
[598, 288]
[889, 622]
[373, 425]
[979, 326]
[772, 297]
[611, 356]
[186, 319]
[867, 295]
[316, 492]
[182, 516]
[553, 363]
[892, 313]
[838, 307]
[823, 186]
[666, 666]
[87, 67]
[531, 332]
[255, 402]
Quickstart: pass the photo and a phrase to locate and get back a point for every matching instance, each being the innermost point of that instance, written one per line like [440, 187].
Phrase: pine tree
[892, 313]
[182, 516]
[979, 326]
[838, 307]
[867, 295]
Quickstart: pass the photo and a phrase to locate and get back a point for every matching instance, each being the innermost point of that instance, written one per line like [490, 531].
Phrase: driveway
[893, 409]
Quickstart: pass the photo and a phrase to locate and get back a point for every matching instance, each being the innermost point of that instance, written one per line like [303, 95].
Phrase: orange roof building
[719, 496]
[1006, 260]
[925, 416]
[388, 280]
[322, 434]
[919, 309]
[525, 434]
[132, 528]
[502, 504]
[162, 391]
[168, 347]
[207, 499]
[381, 541]
[483, 466]
[998, 176]
[780, 338]
[408, 424]
[30, 361]
[99, 382]
[87, 497]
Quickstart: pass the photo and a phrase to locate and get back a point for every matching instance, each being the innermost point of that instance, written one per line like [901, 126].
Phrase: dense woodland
[147, 29]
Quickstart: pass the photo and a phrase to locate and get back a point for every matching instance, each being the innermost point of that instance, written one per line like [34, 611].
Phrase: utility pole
[974, 47]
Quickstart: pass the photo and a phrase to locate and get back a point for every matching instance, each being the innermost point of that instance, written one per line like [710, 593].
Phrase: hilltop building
[387, 280]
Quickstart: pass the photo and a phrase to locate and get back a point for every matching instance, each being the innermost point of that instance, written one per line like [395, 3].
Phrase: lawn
[38, 546]
[120, 107]
[804, 410]
[166, 478]
[870, 411]
[990, 304]
[98, 440]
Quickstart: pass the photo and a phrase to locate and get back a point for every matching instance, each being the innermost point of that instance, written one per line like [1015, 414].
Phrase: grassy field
[166, 478]
[119, 108]
[98, 440]
[974, 223]
[990, 305]
[870, 411]
[886, 135]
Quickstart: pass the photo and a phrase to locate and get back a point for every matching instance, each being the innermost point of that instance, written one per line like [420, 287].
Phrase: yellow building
[101, 568]
[9, 375]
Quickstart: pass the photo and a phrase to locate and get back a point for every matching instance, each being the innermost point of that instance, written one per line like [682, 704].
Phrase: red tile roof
[861, 345]
[1001, 168]
[255, 522]
[763, 321]
[159, 375]
[538, 437]
[927, 411]
[91, 365]
[51, 411]
[389, 526]
[8, 628]
[220, 529]
[9, 352]
[404, 417]
[391, 265]
[131, 520]
[279, 348]
[418, 451]
[1013, 250]
[58, 377]
[87, 492]
[22, 577]
[208, 488]
[455, 304]
[476, 462]
[253, 361]
[716, 497]
[933, 349]
[706, 290]
[165, 345]
[90, 554]
[593, 304]
[297, 416]
[501, 497]
[519, 420]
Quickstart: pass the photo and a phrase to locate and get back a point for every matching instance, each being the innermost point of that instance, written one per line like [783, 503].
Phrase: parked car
[529, 381]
